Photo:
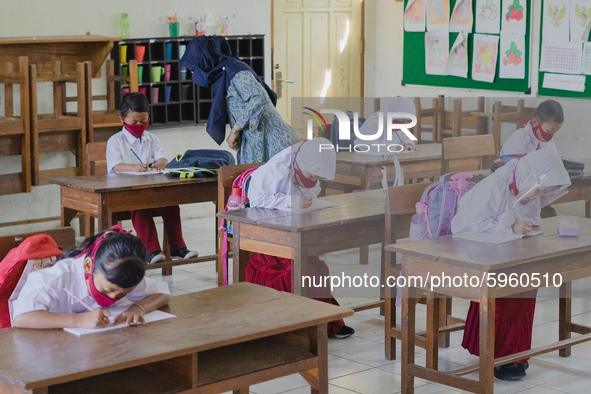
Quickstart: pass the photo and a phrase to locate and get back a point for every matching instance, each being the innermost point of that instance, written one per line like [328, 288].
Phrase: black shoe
[344, 332]
[184, 253]
[524, 365]
[155, 257]
[510, 371]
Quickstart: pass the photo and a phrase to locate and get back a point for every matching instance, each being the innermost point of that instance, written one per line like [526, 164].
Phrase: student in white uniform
[509, 201]
[290, 180]
[537, 132]
[107, 268]
[372, 124]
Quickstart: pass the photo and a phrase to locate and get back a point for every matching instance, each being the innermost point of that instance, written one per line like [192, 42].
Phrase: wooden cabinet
[177, 100]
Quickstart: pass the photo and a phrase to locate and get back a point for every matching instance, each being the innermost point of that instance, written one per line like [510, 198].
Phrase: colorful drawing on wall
[580, 19]
[514, 16]
[587, 58]
[484, 58]
[414, 15]
[561, 57]
[488, 16]
[436, 52]
[457, 62]
[461, 17]
[556, 16]
[512, 53]
[438, 15]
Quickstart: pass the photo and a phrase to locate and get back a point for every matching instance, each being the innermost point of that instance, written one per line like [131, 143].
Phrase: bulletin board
[558, 92]
[414, 70]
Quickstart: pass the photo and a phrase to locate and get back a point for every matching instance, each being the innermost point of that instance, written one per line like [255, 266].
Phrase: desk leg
[300, 265]
[105, 220]
[238, 260]
[364, 250]
[408, 339]
[322, 351]
[564, 319]
[433, 302]
[487, 344]
[67, 216]
[243, 390]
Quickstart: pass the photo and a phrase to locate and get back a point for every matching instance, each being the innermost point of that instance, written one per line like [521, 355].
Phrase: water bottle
[234, 203]
[418, 223]
[124, 25]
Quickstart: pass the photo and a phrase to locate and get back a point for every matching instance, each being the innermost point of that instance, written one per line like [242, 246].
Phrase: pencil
[74, 296]
[300, 190]
[135, 154]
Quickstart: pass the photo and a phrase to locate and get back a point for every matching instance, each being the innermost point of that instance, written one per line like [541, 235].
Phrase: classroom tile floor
[357, 364]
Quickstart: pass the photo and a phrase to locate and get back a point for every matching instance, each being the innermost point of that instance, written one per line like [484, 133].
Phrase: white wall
[29, 18]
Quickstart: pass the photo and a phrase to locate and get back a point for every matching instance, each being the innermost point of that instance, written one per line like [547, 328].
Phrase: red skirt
[275, 272]
[514, 321]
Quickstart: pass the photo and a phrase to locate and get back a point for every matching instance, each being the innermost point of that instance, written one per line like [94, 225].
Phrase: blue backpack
[199, 163]
[438, 206]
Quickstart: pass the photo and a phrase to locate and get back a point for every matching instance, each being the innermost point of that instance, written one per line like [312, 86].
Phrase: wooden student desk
[226, 338]
[363, 169]
[102, 195]
[544, 254]
[358, 222]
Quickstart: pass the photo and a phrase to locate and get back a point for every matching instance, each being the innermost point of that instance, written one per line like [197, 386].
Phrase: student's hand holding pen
[522, 227]
[305, 202]
[140, 167]
[96, 318]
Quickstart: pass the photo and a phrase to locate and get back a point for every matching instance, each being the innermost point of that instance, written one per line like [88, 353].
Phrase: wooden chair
[469, 153]
[505, 113]
[63, 236]
[226, 176]
[102, 124]
[400, 206]
[59, 131]
[458, 123]
[432, 117]
[15, 134]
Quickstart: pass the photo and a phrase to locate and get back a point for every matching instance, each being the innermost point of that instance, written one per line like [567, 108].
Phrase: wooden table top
[205, 320]
[424, 151]
[491, 257]
[48, 39]
[121, 182]
[356, 206]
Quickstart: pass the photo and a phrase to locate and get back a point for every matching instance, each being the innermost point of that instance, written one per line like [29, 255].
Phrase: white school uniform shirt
[44, 289]
[488, 206]
[273, 186]
[523, 141]
[148, 148]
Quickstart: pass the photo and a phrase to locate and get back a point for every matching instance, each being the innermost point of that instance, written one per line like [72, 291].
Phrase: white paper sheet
[580, 19]
[461, 17]
[512, 54]
[436, 52]
[116, 310]
[316, 205]
[438, 15]
[561, 57]
[493, 238]
[514, 16]
[573, 83]
[484, 59]
[414, 15]
[139, 173]
[488, 16]
[457, 61]
[555, 16]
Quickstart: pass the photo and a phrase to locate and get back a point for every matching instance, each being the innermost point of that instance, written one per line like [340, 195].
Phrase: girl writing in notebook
[107, 268]
[509, 202]
[290, 180]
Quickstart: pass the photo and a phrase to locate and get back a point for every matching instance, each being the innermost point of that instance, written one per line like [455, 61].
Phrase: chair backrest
[64, 237]
[468, 153]
[96, 158]
[429, 116]
[506, 113]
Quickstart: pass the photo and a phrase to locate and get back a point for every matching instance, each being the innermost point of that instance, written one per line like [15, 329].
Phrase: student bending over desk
[135, 149]
[290, 180]
[509, 201]
[107, 268]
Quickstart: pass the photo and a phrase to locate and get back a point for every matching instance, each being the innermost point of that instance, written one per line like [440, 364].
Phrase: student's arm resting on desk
[135, 313]
[96, 318]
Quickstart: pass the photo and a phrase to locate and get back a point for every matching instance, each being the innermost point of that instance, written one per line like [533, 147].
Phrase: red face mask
[299, 176]
[137, 130]
[540, 134]
[100, 298]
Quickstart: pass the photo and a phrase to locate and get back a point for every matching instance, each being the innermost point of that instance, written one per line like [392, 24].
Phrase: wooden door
[317, 50]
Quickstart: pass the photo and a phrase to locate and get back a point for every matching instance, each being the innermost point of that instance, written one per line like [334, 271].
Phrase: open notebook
[116, 310]
[493, 238]
[151, 172]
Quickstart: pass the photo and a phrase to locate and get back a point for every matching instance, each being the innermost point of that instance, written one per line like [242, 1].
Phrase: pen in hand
[135, 154]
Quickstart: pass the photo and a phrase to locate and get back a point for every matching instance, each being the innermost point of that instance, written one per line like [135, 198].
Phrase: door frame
[362, 60]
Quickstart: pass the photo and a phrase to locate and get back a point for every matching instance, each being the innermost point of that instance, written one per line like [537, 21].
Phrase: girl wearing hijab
[290, 179]
[241, 99]
[372, 124]
[509, 201]
[537, 132]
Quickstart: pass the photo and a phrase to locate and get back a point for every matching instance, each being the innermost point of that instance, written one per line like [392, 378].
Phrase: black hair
[550, 110]
[121, 258]
[134, 102]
